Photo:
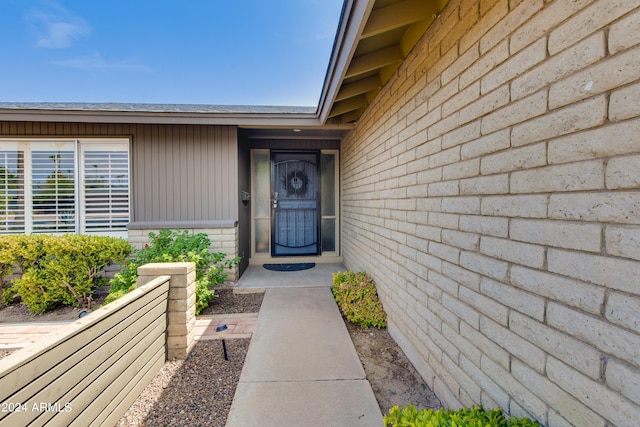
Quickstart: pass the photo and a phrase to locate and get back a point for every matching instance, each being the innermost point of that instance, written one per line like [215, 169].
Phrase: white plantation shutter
[53, 187]
[11, 191]
[64, 186]
[105, 187]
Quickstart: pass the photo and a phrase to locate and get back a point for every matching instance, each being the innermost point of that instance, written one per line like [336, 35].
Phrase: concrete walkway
[302, 368]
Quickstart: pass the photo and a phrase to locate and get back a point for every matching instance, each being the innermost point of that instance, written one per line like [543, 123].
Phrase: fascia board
[354, 19]
[233, 119]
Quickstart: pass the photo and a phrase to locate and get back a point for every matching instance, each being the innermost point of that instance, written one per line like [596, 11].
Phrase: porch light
[222, 333]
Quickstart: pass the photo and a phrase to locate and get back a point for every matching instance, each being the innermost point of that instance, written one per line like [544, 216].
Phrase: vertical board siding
[178, 172]
[185, 172]
[91, 370]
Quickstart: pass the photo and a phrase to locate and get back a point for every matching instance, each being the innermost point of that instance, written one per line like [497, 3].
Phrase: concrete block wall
[223, 239]
[181, 304]
[492, 190]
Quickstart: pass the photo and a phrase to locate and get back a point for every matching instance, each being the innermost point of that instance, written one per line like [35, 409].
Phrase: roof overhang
[160, 114]
[372, 40]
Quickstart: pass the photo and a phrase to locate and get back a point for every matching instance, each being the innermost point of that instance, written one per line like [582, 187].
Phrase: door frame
[261, 257]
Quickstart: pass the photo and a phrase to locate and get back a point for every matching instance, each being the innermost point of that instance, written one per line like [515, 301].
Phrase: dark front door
[294, 203]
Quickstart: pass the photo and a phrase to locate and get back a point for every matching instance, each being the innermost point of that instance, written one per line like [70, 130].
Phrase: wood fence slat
[90, 371]
[25, 389]
[112, 413]
[96, 377]
[57, 377]
[18, 376]
[53, 394]
[124, 370]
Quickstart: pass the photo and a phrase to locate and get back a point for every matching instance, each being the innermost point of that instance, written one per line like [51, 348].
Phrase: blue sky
[225, 52]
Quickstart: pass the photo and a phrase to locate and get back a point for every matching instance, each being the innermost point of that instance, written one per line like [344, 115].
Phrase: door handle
[274, 202]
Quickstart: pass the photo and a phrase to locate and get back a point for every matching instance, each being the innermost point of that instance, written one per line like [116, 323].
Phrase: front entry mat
[290, 266]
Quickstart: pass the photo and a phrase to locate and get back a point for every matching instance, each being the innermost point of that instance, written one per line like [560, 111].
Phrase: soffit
[389, 33]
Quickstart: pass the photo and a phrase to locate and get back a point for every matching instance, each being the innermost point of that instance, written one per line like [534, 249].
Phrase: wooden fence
[90, 371]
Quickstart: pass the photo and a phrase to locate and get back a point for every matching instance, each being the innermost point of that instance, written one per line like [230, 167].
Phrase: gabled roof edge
[352, 22]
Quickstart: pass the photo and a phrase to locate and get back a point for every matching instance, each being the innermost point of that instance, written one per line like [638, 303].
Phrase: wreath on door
[296, 183]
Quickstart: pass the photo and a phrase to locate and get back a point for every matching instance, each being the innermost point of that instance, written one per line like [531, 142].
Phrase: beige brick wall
[223, 240]
[492, 190]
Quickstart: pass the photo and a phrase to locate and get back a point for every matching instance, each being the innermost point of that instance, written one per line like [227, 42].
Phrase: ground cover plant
[357, 298]
[176, 246]
[56, 270]
[471, 417]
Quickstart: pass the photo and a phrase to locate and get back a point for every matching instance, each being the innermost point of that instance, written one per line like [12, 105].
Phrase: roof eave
[104, 116]
[352, 22]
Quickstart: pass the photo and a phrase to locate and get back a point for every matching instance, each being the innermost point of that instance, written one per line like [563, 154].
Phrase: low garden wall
[90, 371]
[223, 235]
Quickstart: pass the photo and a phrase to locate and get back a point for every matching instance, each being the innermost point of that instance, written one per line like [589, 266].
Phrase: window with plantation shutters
[105, 195]
[64, 186]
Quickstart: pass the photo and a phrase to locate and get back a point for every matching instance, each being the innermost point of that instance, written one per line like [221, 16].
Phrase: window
[70, 186]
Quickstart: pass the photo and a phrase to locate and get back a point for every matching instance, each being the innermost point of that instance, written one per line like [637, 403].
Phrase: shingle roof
[157, 108]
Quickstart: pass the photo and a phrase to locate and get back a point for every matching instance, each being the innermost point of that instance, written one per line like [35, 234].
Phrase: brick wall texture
[223, 240]
[492, 190]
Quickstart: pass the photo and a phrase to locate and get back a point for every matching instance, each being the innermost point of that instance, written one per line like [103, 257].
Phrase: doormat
[290, 266]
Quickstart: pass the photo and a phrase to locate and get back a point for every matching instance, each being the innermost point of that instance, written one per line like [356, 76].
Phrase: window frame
[80, 146]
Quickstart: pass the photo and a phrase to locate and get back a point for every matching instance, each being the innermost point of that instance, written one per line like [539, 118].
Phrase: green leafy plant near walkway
[56, 270]
[176, 246]
[357, 298]
[409, 416]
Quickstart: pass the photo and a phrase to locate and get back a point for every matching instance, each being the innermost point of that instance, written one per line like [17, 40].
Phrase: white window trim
[78, 145]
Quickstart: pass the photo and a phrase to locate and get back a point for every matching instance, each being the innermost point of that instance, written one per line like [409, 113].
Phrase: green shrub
[471, 417]
[176, 246]
[115, 295]
[8, 265]
[358, 300]
[204, 295]
[57, 270]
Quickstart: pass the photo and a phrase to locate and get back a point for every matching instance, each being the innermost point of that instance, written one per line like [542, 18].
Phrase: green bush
[409, 416]
[176, 246]
[57, 270]
[358, 300]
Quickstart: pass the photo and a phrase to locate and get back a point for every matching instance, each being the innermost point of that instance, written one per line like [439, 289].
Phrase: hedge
[56, 270]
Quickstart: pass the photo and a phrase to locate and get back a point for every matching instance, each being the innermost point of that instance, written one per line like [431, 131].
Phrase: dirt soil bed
[20, 312]
[199, 390]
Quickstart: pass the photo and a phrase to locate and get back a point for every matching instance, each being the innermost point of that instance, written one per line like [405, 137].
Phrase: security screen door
[294, 203]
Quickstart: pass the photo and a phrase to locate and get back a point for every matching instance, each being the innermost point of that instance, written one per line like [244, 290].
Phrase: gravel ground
[225, 301]
[197, 391]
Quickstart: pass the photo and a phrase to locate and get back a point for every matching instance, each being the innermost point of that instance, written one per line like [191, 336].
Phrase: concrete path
[257, 276]
[302, 368]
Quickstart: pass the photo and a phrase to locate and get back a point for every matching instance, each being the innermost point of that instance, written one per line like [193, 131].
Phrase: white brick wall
[492, 190]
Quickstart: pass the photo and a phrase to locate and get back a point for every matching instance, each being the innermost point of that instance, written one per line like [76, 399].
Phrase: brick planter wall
[223, 239]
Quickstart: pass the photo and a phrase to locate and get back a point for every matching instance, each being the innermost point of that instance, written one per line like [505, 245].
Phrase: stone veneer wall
[223, 239]
[492, 190]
